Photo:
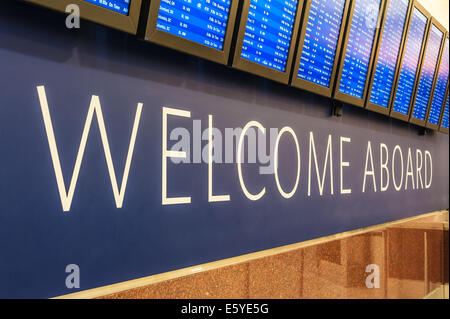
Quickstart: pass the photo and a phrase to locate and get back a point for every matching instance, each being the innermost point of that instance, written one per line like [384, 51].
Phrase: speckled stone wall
[412, 258]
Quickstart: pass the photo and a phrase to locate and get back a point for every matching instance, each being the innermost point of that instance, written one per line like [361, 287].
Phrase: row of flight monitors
[389, 56]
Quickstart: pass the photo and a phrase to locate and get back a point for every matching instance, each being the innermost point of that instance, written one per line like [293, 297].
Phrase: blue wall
[38, 239]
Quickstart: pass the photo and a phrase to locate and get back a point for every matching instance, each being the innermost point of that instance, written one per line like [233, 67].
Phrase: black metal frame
[443, 129]
[413, 100]
[127, 23]
[372, 106]
[345, 97]
[258, 69]
[307, 85]
[429, 125]
[422, 10]
[184, 45]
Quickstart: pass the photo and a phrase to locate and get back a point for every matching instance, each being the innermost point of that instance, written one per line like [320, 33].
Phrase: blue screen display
[120, 6]
[441, 85]
[268, 32]
[359, 47]
[321, 39]
[427, 76]
[200, 21]
[410, 64]
[444, 123]
[389, 52]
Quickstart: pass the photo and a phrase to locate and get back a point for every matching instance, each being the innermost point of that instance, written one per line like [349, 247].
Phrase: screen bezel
[258, 69]
[443, 129]
[392, 112]
[166, 39]
[372, 106]
[345, 97]
[412, 120]
[307, 85]
[435, 127]
[126, 23]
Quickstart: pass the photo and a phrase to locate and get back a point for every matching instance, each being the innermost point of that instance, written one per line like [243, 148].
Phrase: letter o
[286, 129]
[397, 147]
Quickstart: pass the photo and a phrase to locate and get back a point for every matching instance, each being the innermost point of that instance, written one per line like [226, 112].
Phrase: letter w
[66, 197]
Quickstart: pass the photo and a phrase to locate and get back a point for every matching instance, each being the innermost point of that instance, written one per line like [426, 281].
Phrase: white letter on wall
[166, 154]
[409, 170]
[397, 148]
[312, 151]
[384, 167]
[239, 160]
[344, 164]
[372, 171]
[428, 182]
[94, 107]
[211, 197]
[419, 168]
[282, 192]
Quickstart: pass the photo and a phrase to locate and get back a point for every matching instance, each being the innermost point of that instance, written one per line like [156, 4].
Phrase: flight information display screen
[120, 6]
[321, 39]
[200, 21]
[359, 48]
[389, 52]
[428, 71]
[268, 32]
[444, 123]
[441, 85]
[410, 64]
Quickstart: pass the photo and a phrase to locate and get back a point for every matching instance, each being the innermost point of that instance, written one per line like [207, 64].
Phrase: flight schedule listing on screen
[200, 21]
[444, 123]
[439, 91]
[268, 32]
[120, 6]
[428, 71]
[359, 48]
[321, 38]
[410, 64]
[389, 52]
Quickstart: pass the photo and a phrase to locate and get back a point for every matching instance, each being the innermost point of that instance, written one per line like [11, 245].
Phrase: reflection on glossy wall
[412, 259]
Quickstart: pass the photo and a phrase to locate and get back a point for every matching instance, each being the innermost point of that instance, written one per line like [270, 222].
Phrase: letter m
[67, 196]
[328, 159]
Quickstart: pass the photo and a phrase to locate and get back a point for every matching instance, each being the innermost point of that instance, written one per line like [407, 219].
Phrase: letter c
[239, 151]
